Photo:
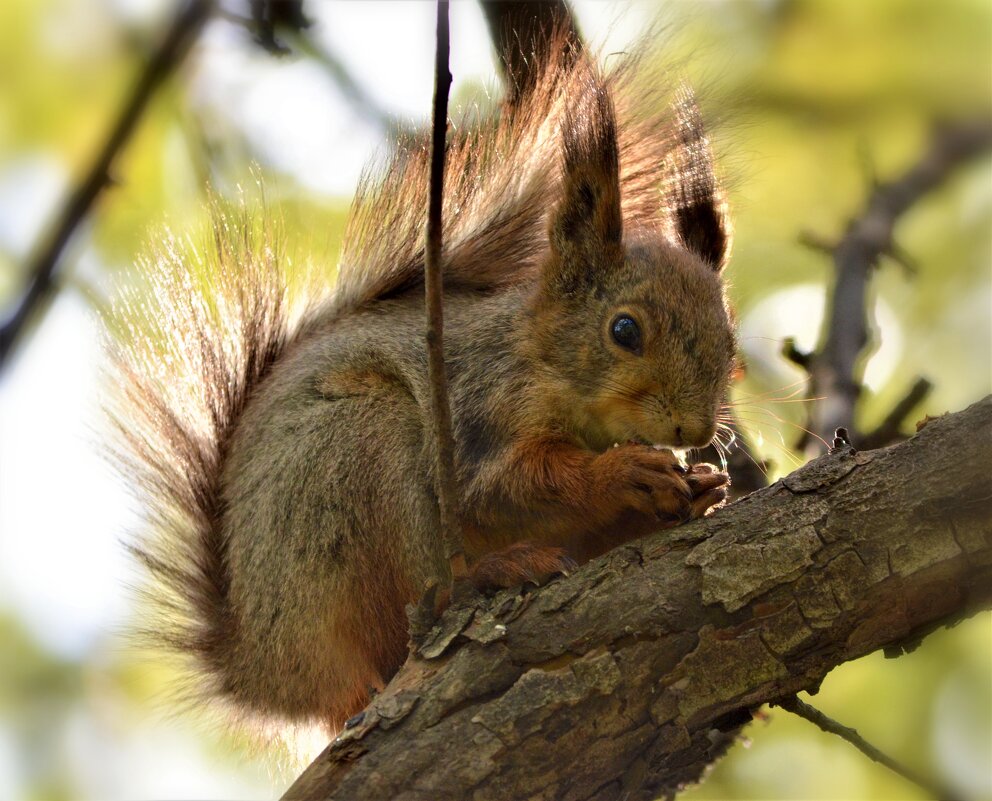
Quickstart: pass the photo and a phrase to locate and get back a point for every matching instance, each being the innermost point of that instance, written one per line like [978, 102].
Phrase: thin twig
[889, 430]
[798, 707]
[791, 352]
[835, 372]
[267, 15]
[187, 24]
[447, 489]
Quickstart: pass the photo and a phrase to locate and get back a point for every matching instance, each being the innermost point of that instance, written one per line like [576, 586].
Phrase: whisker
[799, 383]
[762, 467]
[787, 399]
[789, 423]
[779, 446]
[766, 396]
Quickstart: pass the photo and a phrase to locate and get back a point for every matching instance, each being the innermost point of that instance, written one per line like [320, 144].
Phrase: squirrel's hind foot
[520, 563]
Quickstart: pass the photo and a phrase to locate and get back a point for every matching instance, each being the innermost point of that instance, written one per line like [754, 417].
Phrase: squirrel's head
[635, 324]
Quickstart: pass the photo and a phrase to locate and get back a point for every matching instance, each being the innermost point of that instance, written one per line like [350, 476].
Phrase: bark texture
[628, 678]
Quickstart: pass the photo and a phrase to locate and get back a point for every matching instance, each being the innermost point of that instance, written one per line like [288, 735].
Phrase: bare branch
[815, 242]
[791, 352]
[631, 676]
[835, 371]
[797, 707]
[268, 15]
[182, 33]
[890, 429]
[286, 18]
[447, 488]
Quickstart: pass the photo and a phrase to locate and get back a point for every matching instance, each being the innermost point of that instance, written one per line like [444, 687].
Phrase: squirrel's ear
[587, 227]
[695, 200]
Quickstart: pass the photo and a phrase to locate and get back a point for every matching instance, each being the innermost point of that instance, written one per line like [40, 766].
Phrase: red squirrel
[288, 466]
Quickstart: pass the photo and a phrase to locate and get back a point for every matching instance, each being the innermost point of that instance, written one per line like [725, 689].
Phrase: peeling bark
[630, 677]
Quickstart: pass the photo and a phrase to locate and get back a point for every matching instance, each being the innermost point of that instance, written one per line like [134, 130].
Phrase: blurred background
[817, 99]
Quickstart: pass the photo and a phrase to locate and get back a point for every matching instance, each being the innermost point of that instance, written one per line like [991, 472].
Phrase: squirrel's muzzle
[694, 433]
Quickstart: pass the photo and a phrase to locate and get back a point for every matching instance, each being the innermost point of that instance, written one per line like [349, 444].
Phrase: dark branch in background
[791, 352]
[835, 371]
[41, 271]
[890, 429]
[269, 15]
[277, 24]
[447, 486]
[797, 707]
[630, 677]
[523, 34]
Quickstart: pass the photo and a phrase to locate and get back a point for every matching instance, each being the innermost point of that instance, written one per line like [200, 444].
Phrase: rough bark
[628, 678]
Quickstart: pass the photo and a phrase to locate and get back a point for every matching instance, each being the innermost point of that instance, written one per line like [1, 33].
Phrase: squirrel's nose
[695, 434]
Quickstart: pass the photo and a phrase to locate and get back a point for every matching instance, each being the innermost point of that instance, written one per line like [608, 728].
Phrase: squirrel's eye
[626, 332]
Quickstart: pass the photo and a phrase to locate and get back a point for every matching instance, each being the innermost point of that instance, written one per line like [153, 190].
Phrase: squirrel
[287, 462]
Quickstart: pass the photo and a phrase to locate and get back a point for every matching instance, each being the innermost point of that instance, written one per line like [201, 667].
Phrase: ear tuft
[695, 200]
[587, 227]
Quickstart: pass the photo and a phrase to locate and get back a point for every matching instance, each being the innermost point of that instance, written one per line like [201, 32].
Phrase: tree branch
[183, 32]
[287, 19]
[889, 430]
[831, 726]
[447, 488]
[834, 369]
[630, 677]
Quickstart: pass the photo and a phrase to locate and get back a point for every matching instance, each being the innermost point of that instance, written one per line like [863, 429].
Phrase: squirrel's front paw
[521, 563]
[709, 488]
[654, 482]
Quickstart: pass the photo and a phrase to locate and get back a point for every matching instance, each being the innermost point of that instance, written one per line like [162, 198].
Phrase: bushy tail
[186, 350]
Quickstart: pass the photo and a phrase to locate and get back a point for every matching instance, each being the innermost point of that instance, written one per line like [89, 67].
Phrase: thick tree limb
[631, 676]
